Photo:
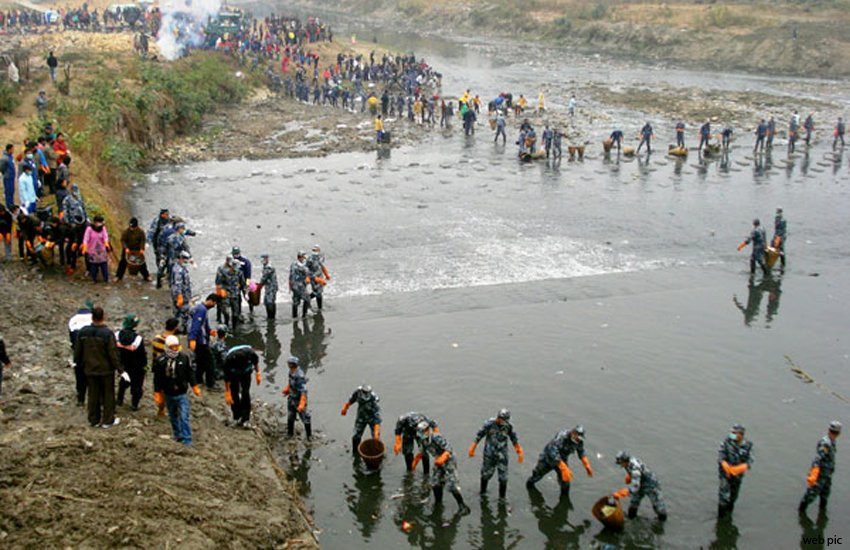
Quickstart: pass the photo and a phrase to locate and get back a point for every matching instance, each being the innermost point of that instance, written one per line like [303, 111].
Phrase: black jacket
[95, 350]
[131, 350]
[180, 376]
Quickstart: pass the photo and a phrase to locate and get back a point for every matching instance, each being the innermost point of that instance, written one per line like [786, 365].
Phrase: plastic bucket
[608, 513]
[135, 262]
[372, 451]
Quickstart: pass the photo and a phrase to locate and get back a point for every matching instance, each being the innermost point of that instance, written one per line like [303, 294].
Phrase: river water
[606, 292]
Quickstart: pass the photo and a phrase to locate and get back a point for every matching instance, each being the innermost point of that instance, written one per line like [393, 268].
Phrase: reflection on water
[553, 521]
[725, 535]
[495, 532]
[770, 284]
[296, 463]
[365, 498]
[813, 530]
[308, 341]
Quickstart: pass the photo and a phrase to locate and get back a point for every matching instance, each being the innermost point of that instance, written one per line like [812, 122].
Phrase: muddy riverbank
[65, 483]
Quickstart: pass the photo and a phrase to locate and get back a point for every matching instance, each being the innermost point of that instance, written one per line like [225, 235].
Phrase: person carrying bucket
[368, 414]
[641, 482]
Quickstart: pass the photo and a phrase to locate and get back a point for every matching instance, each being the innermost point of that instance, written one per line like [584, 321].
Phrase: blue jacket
[8, 164]
[200, 328]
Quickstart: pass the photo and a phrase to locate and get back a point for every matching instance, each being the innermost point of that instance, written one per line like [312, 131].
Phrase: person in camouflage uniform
[411, 428]
[218, 350]
[734, 458]
[181, 290]
[445, 471]
[299, 277]
[555, 455]
[820, 474]
[296, 399]
[175, 243]
[368, 414]
[268, 280]
[641, 482]
[497, 431]
[229, 283]
[156, 228]
[244, 265]
[319, 274]
[758, 239]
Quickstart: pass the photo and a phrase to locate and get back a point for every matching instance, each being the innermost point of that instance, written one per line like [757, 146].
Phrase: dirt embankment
[65, 484]
[776, 37]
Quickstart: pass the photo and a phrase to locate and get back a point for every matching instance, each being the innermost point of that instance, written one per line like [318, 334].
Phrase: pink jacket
[96, 243]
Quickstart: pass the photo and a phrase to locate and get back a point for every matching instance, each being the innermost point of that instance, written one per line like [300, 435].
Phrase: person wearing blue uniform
[704, 135]
[680, 134]
[497, 432]
[617, 139]
[245, 268]
[555, 455]
[199, 341]
[368, 414]
[645, 137]
[761, 133]
[727, 137]
[640, 482]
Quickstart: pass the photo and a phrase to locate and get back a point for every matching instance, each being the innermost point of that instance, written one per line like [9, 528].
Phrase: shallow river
[604, 292]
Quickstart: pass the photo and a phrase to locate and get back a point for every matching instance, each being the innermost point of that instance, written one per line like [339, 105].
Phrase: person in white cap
[172, 378]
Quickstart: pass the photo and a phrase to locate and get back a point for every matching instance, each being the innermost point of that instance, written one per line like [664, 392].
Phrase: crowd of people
[82, 18]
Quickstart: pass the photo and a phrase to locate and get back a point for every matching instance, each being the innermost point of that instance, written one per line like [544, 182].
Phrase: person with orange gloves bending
[820, 474]
[641, 483]
[172, 377]
[368, 414]
[497, 431]
[239, 363]
[734, 458]
[445, 472]
[758, 239]
[555, 455]
[411, 428]
[296, 399]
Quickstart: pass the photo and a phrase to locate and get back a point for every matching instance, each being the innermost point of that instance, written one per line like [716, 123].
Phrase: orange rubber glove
[344, 410]
[179, 300]
[443, 458]
[228, 397]
[566, 473]
[83, 248]
[472, 448]
[726, 468]
[587, 468]
[192, 343]
[520, 454]
[159, 398]
[302, 403]
[622, 493]
[376, 431]
[742, 245]
[738, 469]
[436, 429]
[307, 280]
[628, 479]
[814, 473]
[126, 251]
[777, 241]
[258, 377]
[196, 390]
[221, 292]
[416, 460]
[397, 445]
[286, 390]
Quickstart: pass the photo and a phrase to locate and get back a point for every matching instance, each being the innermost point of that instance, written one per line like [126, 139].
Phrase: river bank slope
[788, 38]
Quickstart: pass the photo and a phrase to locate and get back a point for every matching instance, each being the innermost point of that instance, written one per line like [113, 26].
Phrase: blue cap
[292, 360]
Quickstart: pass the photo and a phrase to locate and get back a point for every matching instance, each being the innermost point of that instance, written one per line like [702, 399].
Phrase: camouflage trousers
[820, 489]
[729, 488]
[493, 462]
[653, 491]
